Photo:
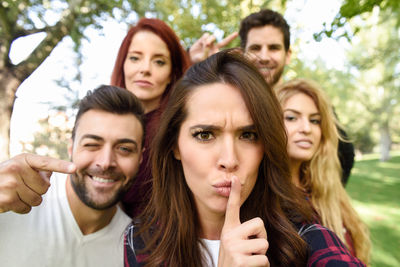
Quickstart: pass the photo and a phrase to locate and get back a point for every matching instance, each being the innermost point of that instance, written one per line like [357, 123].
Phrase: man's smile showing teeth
[101, 180]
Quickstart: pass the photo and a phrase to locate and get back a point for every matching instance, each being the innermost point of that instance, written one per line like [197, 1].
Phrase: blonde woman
[315, 168]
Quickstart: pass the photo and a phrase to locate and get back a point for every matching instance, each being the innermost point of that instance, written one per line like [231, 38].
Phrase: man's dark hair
[110, 99]
[263, 18]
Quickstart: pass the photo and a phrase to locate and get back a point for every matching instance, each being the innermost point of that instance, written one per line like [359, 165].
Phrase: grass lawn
[374, 187]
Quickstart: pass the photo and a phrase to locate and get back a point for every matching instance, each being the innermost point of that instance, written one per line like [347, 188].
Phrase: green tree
[62, 18]
[372, 27]
[190, 18]
[52, 140]
[57, 19]
[376, 63]
[351, 9]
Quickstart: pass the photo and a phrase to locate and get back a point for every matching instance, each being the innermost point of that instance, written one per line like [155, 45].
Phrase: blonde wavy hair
[321, 176]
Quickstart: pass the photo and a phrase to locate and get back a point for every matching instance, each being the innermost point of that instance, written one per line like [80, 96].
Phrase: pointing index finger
[227, 39]
[232, 215]
[43, 163]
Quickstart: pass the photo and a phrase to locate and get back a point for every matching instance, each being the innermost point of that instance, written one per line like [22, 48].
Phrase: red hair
[179, 58]
[136, 195]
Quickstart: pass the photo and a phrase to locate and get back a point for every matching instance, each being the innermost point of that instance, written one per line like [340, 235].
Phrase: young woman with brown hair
[222, 193]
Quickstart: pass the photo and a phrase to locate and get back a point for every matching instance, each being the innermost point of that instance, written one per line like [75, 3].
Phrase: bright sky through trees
[100, 48]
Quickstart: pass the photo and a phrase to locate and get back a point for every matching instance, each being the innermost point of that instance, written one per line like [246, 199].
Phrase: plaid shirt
[325, 248]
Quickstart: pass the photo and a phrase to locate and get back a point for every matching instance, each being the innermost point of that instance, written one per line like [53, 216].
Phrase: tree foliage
[53, 137]
[349, 92]
[56, 19]
[375, 56]
[372, 27]
[351, 9]
[366, 93]
[189, 18]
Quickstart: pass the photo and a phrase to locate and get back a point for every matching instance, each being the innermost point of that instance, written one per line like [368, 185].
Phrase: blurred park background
[374, 187]
[53, 51]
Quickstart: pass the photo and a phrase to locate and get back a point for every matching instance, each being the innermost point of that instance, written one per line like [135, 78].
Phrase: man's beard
[273, 79]
[79, 186]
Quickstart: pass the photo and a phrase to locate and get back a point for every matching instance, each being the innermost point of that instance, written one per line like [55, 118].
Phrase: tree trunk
[8, 87]
[386, 141]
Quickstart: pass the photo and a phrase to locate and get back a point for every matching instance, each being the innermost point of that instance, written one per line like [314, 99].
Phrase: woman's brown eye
[252, 136]
[203, 135]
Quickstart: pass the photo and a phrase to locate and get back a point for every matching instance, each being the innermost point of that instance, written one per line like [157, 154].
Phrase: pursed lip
[223, 188]
[222, 184]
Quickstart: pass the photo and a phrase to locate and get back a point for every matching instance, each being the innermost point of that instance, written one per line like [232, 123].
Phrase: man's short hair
[263, 18]
[110, 99]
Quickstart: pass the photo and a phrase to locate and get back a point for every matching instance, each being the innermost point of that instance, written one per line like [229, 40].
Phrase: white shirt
[213, 248]
[49, 235]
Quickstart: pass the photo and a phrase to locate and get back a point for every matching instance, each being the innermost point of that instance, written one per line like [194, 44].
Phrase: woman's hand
[242, 244]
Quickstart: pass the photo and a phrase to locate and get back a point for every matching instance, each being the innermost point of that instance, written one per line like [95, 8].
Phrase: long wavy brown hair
[170, 225]
[321, 176]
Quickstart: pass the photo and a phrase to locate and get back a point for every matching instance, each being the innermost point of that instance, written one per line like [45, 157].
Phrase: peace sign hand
[206, 46]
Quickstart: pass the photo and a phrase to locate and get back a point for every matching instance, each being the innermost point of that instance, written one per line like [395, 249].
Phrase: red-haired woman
[149, 62]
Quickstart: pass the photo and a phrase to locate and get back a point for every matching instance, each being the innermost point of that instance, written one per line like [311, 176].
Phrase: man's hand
[242, 244]
[25, 178]
[206, 46]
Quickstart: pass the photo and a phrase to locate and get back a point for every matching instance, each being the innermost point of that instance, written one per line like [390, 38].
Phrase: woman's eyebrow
[208, 127]
[298, 112]
[292, 110]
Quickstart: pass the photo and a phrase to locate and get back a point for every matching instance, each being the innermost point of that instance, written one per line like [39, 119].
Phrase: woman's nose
[228, 158]
[145, 67]
[305, 126]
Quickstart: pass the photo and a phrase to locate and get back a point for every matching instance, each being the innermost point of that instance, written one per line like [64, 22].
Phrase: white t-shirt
[49, 235]
[213, 248]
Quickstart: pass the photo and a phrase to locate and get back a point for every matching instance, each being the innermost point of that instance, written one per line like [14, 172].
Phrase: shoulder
[325, 247]
[133, 244]
[131, 238]
[122, 218]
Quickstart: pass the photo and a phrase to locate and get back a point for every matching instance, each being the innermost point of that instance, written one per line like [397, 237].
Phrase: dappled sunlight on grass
[377, 212]
[384, 259]
[385, 237]
[374, 187]
[392, 165]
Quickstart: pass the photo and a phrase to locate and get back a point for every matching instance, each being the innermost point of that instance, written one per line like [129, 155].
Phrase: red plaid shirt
[325, 248]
